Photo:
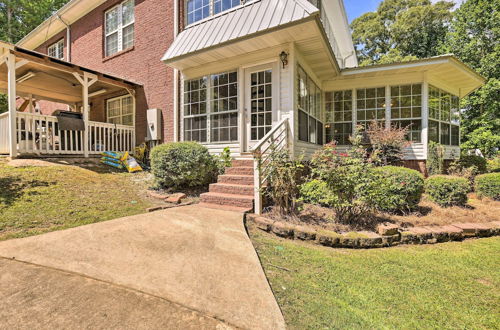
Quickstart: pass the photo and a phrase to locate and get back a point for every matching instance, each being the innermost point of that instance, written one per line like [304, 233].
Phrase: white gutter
[176, 76]
[68, 39]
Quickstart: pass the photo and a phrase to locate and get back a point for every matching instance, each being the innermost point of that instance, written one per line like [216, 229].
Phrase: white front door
[260, 102]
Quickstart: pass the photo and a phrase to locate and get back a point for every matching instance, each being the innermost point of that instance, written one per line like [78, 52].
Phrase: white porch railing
[40, 134]
[276, 140]
[4, 133]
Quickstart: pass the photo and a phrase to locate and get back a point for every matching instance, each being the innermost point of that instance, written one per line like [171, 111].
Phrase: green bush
[493, 165]
[400, 188]
[488, 185]
[446, 190]
[182, 164]
[468, 161]
[435, 158]
[317, 192]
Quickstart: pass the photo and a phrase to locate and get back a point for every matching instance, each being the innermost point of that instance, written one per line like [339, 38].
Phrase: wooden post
[11, 77]
[87, 80]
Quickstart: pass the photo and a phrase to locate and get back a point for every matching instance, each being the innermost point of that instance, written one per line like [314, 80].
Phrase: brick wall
[154, 21]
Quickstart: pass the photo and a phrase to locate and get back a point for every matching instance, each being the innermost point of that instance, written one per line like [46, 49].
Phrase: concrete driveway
[186, 267]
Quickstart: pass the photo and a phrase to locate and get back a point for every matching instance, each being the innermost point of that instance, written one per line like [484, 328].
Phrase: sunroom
[88, 112]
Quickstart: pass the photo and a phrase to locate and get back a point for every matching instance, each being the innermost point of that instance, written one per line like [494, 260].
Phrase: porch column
[425, 115]
[11, 78]
[87, 80]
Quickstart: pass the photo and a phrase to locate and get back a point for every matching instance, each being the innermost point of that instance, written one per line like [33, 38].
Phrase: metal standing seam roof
[250, 18]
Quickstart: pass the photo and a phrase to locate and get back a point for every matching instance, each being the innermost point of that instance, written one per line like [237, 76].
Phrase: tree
[401, 30]
[19, 17]
[474, 38]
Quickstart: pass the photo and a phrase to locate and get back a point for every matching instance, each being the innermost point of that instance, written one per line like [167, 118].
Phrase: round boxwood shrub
[401, 188]
[446, 190]
[488, 185]
[182, 164]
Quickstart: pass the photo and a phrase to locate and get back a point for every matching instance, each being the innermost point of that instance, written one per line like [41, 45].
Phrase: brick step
[235, 189]
[242, 163]
[226, 207]
[227, 199]
[236, 179]
[239, 170]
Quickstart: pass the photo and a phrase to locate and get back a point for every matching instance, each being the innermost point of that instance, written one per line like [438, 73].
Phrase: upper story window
[197, 10]
[56, 50]
[119, 27]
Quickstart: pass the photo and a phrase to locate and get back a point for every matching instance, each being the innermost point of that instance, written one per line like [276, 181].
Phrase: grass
[35, 200]
[445, 286]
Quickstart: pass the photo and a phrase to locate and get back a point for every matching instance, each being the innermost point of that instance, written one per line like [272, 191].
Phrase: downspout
[68, 39]
[176, 76]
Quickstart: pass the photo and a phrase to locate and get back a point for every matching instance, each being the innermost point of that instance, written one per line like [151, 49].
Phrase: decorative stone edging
[362, 240]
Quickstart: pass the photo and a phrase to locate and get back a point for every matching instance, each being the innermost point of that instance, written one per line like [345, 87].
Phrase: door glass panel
[261, 104]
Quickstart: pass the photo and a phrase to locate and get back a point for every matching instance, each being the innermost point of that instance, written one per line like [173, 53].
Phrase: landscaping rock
[263, 223]
[157, 195]
[154, 208]
[387, 229]
[330, 239]
[282, 229]
[468, 229]
[304, 233]
[175, 198]
[408, 238]
[454, 233]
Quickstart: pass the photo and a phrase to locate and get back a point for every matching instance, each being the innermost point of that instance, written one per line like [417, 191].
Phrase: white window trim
[450, 123]
[121, 115]
[311, 113]
[119, 28]
[211, 12]
[58, 48]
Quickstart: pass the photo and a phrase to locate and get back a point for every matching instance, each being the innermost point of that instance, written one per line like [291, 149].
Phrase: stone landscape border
[392, 236]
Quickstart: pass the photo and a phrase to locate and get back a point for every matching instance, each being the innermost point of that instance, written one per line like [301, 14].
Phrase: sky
[356, 8]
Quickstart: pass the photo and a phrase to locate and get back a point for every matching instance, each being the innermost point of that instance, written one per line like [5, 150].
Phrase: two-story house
[237, 73]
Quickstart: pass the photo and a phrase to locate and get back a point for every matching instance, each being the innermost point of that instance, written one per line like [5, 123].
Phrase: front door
[260, 105]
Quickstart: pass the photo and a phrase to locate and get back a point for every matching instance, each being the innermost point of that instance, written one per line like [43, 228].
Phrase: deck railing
[4, 133]
[40, 134]
[276, 140]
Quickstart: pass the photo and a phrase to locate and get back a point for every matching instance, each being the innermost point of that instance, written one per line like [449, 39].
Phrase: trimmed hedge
[446, 190]
[488, 185]
[182, 164]
[478, 162]
[401, 188]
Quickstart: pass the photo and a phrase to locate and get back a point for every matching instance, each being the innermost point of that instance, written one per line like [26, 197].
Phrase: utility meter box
[154, 124]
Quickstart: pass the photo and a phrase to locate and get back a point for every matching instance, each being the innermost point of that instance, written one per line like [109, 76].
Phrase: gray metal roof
[253, 17]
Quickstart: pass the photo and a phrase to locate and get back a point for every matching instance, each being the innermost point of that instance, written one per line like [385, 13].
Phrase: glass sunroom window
[338, 125]
[406, 109]
[370, 104]
[444, 117]
[309, 103]
[211, 108]
[197, 10]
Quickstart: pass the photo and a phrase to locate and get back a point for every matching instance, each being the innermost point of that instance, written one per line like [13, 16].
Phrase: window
[406, 109]
[309, 102]
[370, 105]
[444, 117]
[119, 28]
[211, 105]
[120, 110]
[261, 104]
[338, 116]
[197, 10]
[56, 50]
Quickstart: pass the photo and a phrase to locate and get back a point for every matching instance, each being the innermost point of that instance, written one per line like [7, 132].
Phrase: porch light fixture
[284, 58]
[27, 76]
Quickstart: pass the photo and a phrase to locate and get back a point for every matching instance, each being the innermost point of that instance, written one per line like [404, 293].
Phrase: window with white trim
[406, 109]
[119, 27]
[211, 108]
[197, 10]
[370, 105]
[309, 104]
[444, 114]
[56, 50]
[338, 125]
[120, 110]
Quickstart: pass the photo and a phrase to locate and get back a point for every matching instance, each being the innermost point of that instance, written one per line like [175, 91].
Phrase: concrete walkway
[197, 263]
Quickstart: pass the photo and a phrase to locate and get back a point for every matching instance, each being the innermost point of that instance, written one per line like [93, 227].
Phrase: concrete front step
[239, 170]
[236, 179]
[226, 207]
[227, 199]
[235, 189]
[242, 163]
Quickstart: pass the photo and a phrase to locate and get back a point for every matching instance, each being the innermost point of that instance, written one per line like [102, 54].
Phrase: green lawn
[452, 285]
[34, 200]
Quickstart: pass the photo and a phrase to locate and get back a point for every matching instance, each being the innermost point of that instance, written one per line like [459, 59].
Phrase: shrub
[182, 164]
[284, 177]
[484, 139]
[349, 178]
[386, 144]
[224, 160]
[467, 161]
[401, 188]
[488, 185]
[435, 159]
[446, 190]
[317, 192]
[493, 165]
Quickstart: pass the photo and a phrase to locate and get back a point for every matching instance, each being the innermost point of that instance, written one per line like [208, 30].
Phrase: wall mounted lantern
[284, 58]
